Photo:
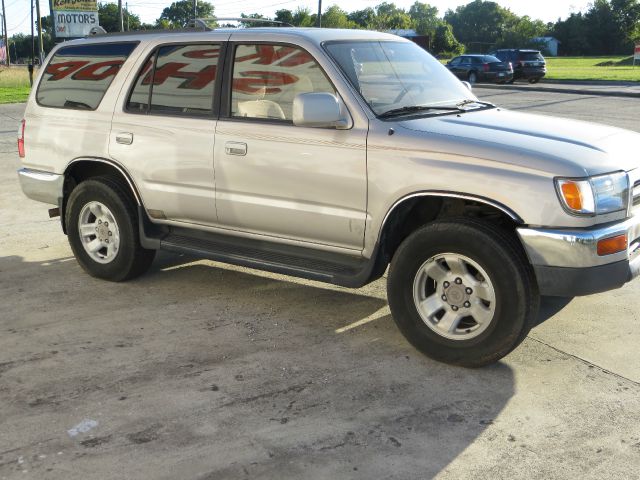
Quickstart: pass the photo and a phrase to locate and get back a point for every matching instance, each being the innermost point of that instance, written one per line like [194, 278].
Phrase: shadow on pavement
[195, 371]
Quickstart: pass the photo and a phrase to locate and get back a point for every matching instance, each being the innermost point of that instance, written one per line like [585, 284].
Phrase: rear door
[277, 179]
[163, 131]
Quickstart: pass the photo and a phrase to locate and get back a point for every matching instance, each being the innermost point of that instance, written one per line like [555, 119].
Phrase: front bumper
[44, 187]
[566, 262]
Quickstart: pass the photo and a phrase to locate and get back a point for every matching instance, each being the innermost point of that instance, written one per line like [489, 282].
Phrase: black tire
[534, 80]
[472, 78]
[499, 253]
[510, 82]
[131, 260]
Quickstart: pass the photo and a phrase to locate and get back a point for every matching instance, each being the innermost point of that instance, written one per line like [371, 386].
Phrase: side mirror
[320, 110]
[467, 84]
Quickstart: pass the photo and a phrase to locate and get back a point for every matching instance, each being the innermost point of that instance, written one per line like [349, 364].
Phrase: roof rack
[204, 22]
[200, 24]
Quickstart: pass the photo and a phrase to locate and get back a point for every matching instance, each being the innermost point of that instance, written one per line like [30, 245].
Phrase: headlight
[594, 195]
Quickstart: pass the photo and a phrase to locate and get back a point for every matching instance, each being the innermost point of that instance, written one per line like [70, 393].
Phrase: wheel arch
[83, 168]
[414, 210]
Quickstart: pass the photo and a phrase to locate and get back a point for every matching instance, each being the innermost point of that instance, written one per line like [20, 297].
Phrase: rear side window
[77, 77]
[177, 80]
[531, 56]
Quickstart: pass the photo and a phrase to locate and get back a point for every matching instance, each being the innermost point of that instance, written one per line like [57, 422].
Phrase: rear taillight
[21, 138]
[510, 66]
[485, 67]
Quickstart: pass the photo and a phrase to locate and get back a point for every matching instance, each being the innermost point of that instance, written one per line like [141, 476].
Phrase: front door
[279, 180]
[164, 136]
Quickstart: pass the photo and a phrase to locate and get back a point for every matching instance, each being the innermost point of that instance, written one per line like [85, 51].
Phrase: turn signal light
[572, 195]
[21, 139]
[612, 245]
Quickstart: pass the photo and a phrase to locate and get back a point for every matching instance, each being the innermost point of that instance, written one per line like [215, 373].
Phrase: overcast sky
[149, 10]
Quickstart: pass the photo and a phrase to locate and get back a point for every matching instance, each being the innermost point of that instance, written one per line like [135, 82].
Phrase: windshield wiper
[417, 108]
[459, 107]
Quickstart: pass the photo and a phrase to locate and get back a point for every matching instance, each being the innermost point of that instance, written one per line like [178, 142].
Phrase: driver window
[266, 79]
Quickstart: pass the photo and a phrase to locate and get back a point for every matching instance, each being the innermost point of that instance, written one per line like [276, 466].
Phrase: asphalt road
[203, 371]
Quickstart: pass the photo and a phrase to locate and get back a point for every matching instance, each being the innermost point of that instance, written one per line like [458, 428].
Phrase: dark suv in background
[480, 68]
[527, 64]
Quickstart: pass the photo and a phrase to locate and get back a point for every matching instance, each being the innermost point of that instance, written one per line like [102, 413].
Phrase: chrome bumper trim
[578, 248]
[44, 187]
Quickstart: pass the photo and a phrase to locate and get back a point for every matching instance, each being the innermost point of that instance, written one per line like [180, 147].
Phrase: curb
[575, 91]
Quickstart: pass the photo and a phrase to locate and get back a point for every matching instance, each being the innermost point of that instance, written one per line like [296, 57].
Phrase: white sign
[75, 18]
[636, 53]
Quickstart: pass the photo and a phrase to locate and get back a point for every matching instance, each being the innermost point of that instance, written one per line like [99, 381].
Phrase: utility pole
[319, 18]
[33, 47]
[6, 37]
[126, 9]
[40, 45]
[120, 16]
[195, 11]
[53, 22]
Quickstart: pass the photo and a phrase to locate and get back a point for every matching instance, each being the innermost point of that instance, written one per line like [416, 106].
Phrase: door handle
[235, 148]
[124, 138]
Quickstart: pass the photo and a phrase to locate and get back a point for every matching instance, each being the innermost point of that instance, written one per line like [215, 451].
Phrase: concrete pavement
[201, 371]
[607, 89]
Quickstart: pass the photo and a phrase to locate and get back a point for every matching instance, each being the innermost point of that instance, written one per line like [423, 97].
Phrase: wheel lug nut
[106, 224]
[454, 308]
[106, 240]
[469, 291]
[99, 222]
[110, 233]
[458, 280]
[467, 304]
[446, 284]
[444, 297]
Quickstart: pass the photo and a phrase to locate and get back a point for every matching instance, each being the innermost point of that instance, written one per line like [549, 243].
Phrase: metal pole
[40, 45]
[33, 47]
[120, 15]
[195, 11]
[319, 18]
[6, 37]
[53, 22]
[126, 8]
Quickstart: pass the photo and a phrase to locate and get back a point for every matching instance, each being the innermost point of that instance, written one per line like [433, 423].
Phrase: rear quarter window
[77, 77]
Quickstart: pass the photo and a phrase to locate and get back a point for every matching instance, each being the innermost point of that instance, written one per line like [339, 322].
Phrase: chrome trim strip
[41, 186]
[577, 248]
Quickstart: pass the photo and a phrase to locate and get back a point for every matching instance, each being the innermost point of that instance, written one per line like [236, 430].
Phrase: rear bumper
[566, 262]
[44, 187]
[528, 73]
[497, 76]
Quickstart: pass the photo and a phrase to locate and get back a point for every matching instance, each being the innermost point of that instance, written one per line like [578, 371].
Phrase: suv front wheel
[102, 225]
[462, 292]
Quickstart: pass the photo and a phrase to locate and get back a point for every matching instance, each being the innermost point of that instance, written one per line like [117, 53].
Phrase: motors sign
[74, 18]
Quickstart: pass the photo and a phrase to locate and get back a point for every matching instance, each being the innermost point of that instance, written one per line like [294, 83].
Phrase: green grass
[592, 68]
[14, 84]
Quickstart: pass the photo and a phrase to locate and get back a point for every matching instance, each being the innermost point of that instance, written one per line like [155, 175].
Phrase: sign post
[74, 18]
[636, 54]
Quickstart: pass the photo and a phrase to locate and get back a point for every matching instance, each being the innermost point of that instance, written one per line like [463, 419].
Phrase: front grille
[636, 194]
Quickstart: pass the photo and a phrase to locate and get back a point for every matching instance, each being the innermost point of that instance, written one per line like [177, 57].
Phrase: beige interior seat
[260, 109]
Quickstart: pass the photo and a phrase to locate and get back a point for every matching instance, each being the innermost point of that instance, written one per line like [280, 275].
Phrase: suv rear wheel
[462, 292]
[102, 226]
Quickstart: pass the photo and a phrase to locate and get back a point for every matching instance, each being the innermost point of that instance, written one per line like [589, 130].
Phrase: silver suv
[331, 155]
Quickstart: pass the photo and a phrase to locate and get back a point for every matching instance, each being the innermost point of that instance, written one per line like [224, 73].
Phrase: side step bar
[328, 267]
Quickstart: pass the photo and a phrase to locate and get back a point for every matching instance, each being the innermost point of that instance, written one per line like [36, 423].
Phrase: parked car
[480, 68]
[527, 64]
[331, 155]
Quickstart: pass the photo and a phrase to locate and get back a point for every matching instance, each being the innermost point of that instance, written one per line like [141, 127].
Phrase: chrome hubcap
[99, 232]
[454, 296]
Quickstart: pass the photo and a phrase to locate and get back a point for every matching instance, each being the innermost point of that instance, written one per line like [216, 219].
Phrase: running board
[328, 267]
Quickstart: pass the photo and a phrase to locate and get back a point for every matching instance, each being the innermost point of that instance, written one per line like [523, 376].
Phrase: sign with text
[74, 18]
[636, 53]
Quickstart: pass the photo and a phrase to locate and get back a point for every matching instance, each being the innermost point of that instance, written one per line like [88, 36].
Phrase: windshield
[392, 75]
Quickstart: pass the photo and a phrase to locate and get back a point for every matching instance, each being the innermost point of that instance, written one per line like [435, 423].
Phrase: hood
[555, 145]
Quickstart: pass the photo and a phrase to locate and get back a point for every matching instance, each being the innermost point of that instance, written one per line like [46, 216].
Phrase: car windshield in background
[491, 59]
[393, 75]
[531, 56]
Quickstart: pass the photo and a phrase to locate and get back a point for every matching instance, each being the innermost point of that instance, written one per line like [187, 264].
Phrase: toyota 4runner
[331, 155]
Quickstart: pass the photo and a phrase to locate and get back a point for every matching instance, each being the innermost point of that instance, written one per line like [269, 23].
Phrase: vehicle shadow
[236, 373]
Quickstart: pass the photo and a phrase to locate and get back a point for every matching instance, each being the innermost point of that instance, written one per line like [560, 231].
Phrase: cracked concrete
[203, 371]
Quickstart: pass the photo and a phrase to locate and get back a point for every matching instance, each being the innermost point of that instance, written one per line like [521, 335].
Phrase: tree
[390, 17]
[425, 18]
[180, 13]
[302, 17]
[479, 22]
[110, 20]
[445, 43]
[335, 17]
[284, 15]
[363, 18]
[521, 32]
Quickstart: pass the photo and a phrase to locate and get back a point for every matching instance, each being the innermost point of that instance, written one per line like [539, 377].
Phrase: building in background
[550, 43]
[423, 40]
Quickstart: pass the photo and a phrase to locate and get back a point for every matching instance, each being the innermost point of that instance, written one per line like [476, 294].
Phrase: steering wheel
[407, 89]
